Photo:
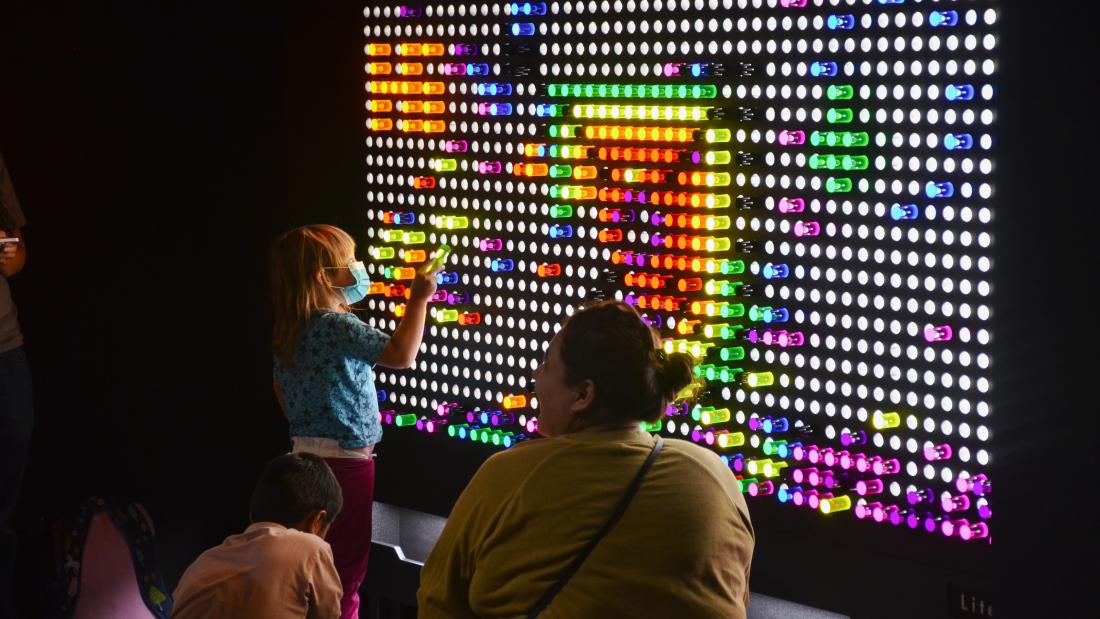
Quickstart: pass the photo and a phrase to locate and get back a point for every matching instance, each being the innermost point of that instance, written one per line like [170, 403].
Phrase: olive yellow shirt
[682, 548]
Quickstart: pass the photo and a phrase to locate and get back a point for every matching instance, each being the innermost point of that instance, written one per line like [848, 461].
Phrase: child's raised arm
[401, 350]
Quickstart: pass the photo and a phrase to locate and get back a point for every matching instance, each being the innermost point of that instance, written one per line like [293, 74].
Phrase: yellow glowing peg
[382, 253]
[733, 439]
[717, 179]
[759, 379]
[718, 415]
[444, 165]
[717, 157]
[756, 466]
[699, 349]
[718, 244]
[772, 469]
[836, 504]
[717, 222]
[718, 135]
[447, 315]
[393, 236]
[414, 238]
[404, 273]
[882, 421]
[717, 200]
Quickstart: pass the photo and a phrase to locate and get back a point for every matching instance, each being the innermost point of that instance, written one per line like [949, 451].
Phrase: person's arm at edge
[17, 260]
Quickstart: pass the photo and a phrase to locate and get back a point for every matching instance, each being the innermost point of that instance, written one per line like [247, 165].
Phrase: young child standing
[323, 374]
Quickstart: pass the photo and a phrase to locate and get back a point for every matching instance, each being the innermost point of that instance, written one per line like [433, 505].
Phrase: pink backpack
[107, 564]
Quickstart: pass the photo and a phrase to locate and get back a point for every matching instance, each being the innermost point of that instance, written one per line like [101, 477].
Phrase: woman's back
[682, 548]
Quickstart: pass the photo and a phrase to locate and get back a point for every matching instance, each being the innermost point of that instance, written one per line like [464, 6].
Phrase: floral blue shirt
[330, 392]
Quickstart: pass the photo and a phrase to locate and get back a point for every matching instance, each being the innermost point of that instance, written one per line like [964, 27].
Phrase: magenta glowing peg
[708, 438]
[848, 461]
[984, 510]
[790, 338]
[792, 4]
[817, 455]
[813, 501]
[898, 516]
[791, 205]
[865, 487]
[863, 463]
[978, 484]
[957, 503]
[472, 416]
[912, 519]
[885, 467]
[951, 527]
[755, 423]
[697, 435]
[806, 228]
[455, 146]
[444, 408]
[933, 453]
[978, 530]
[932, 522]
[489, 167]
[941, 333]
[768, 337]
[848, 438]
[799, 453]
[820, 478]
[532, 425]
[866, 510]
[831, 458]
[491, 244]
[761, 488]
[798, 497]
[737, 463]
[791, 137]
[801, 475]
[921, 497]
[435, 425]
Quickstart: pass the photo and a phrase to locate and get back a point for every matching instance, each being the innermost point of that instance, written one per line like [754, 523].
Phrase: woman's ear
[321, 278]
[586, 396]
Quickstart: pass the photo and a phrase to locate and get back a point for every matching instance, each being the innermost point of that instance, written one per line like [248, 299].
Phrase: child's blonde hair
[295, 259]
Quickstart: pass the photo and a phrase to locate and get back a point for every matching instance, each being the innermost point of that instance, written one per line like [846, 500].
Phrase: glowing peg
[711, 415]
[866, 487]
[958, 92]
[408, 419]
[379, 49]
[969, 532]
[883, 421]
[807, 228]
[443, 165]
[549, 270]
[491, 244]
[839, 115]
[958, 141]
[791, 205]
[836, 504]
[841, 92]
[523, 29]
[773, 469]
[944, 189]
[978, 484]
[759, 379]
[514, 401]
[447, 315]
[731, 439]
[382, 253]
[791, 138]
[941, 333]
[717, 135]
[826, 68]
[886, 467]
[933, 453]
[900, 212]
[955, 503]
[841, 22]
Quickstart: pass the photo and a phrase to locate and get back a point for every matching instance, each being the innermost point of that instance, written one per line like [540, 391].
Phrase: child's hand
[7, 250]
[423, 286]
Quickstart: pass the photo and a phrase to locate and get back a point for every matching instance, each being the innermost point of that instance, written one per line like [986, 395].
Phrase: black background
[159, 147]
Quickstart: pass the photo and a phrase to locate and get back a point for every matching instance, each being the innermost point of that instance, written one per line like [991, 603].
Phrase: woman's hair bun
[673, 372]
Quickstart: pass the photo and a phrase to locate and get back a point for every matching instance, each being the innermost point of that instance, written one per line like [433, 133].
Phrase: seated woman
[683, 544]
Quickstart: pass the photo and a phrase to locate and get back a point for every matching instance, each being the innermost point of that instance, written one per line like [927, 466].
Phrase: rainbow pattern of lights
[797, 193]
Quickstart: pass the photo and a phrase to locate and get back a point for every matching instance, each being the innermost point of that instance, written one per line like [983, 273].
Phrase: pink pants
[350, 534]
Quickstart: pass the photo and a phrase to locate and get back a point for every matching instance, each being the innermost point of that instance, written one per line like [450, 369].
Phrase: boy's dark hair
[608, 343]
[292, 487]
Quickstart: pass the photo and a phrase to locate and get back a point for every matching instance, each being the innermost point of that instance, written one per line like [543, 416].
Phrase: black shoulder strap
[615, 516]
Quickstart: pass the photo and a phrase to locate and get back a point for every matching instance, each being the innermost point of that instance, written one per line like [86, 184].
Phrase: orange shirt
[682, 548]
[267, 572]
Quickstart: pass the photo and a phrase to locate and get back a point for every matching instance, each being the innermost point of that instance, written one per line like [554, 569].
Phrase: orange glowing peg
[434, 126]
[412, 124]
[469, 318]
[379, 49]
[432, 49]
[611, 235]
[380, 105]
[378, 288]
[415, 255]
[410, 49]
[411, 107]
[689, 284]
[549, 270]
[396, 290]
[514, 401]
[399, 310]
[379, 68]
[584, 172]
[379, 124]
[433, 88]
[404, 273]
[424, 182]
[410, 68]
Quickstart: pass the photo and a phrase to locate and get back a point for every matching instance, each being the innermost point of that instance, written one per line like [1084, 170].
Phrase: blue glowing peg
[958, 141]
[500, 109]
[404, 218]
[904, 211]
[477, 68]
[841, 22]
[561, 231]
[786, 449]
[958, 92]
[826, 68]
[523, 29]
[891, 1]
[446, 278]
[784, 494]
[775, 271]
[944, 189]
[774, 425]
[938, 19]
[500, 265]
[776, 314]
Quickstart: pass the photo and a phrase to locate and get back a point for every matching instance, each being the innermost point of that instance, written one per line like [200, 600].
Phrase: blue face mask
[357, 291]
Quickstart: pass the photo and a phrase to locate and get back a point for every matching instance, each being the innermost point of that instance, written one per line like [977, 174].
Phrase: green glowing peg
[854, 162]
[733, 310]
[837, 92]
[561, 171]
[732, 353]
[650, 427]
[733, 267]
[838, 185]
[561, 211]
[407, 419]
[839, 115]
[855, 138]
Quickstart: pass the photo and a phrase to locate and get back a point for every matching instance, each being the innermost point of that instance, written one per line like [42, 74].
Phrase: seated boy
[280, 566]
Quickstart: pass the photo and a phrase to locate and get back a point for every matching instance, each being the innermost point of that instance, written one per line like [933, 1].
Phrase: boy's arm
[400, 351]
[324, 587]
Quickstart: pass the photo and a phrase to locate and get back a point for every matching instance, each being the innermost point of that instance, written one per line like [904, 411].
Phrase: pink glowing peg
[791, 137]
[941, 333]
[807, 228]
[791, 205]
[933, 453]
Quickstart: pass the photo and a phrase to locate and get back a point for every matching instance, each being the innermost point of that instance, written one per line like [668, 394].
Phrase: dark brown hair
[294, 486]
[609, 344]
